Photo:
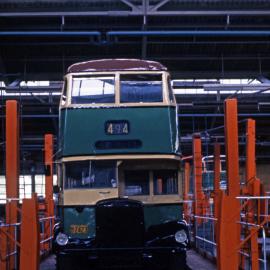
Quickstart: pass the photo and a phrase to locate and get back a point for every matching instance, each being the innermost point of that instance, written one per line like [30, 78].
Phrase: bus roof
[116, 65]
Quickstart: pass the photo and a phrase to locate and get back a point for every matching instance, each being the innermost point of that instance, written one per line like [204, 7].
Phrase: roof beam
[131, 5]
[137, 11]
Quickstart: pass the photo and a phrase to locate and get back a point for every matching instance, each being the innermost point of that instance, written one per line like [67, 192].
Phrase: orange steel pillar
[253, 183]
[186, 191]
[217, 169]
[253, 189]
[3, 248]
[229, 208]
[197, 174]
[232, 151]
[48, 145]
[254, 249]
[30, 235]
[48, 141]
[250, 151]
[12, 169]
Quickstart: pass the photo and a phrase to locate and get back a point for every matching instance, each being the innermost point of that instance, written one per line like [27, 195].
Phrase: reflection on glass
[90, 174]
[165, 182]
[140, 88]
[136, 183]
[93, 90]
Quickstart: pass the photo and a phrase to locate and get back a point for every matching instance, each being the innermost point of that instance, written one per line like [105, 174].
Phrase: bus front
[119, 169]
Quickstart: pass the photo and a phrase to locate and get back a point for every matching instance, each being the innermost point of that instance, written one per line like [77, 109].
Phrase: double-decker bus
[120, 199]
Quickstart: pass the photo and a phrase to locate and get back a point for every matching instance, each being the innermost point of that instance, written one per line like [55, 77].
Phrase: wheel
[178, 262]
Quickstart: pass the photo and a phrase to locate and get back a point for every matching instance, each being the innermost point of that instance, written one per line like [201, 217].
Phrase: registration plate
[117, 127]
[74, 229]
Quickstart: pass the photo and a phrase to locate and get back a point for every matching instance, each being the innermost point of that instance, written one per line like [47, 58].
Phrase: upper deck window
[96, 89]
[136, 88]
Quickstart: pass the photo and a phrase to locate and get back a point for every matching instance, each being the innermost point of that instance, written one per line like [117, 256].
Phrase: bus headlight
[61, 239]
[180, 236]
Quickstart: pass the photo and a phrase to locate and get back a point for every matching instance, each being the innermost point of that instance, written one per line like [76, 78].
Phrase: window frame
[149, 172]
[163, 89]
[165, 93]
[177, 181]
[64, 177]
[64, 92]
[113, 75]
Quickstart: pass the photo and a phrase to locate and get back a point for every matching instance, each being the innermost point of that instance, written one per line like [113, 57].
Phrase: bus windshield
[141, 88]
[101, 89]
[90, 174]
[95, 89]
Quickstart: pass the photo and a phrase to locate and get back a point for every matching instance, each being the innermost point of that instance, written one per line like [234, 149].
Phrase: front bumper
[123, 257]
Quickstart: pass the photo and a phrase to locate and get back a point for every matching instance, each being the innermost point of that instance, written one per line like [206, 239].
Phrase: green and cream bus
[120, 199]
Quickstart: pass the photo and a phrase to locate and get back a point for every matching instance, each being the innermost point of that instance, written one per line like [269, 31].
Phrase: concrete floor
[195, 261]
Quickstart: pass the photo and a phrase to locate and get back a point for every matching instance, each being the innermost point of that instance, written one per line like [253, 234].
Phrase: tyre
[178, 262]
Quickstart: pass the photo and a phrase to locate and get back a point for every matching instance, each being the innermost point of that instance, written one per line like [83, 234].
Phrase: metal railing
[205, 239]
[202, 229]
[46, 221]
[263, 258]
[14, 241]
[13, 238]
[263, 221]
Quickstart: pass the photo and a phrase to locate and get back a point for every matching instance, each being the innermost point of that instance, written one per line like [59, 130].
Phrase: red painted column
[197, 175]
[12, 169]
[232, 148]
[48, 146]
[217, 169]
[254, 249]
[3, 248]
[30, 235]
[186, 191]
[252, 182]
[250, 151]
[229, 206]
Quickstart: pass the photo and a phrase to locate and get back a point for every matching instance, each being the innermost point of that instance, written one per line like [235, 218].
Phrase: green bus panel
[80, 222]
[158, 214]
[154, 127]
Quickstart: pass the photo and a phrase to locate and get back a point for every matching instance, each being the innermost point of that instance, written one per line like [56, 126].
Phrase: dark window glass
[91, 90]
[136, 88]
[123, 144]
[136, 183]
[165, 182]
[90, 174]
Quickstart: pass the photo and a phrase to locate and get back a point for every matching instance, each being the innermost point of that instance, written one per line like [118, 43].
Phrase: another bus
[120, 197]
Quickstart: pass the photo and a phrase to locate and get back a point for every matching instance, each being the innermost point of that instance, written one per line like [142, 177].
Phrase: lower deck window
[136, 183]
[90, 174]
[165, 182]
